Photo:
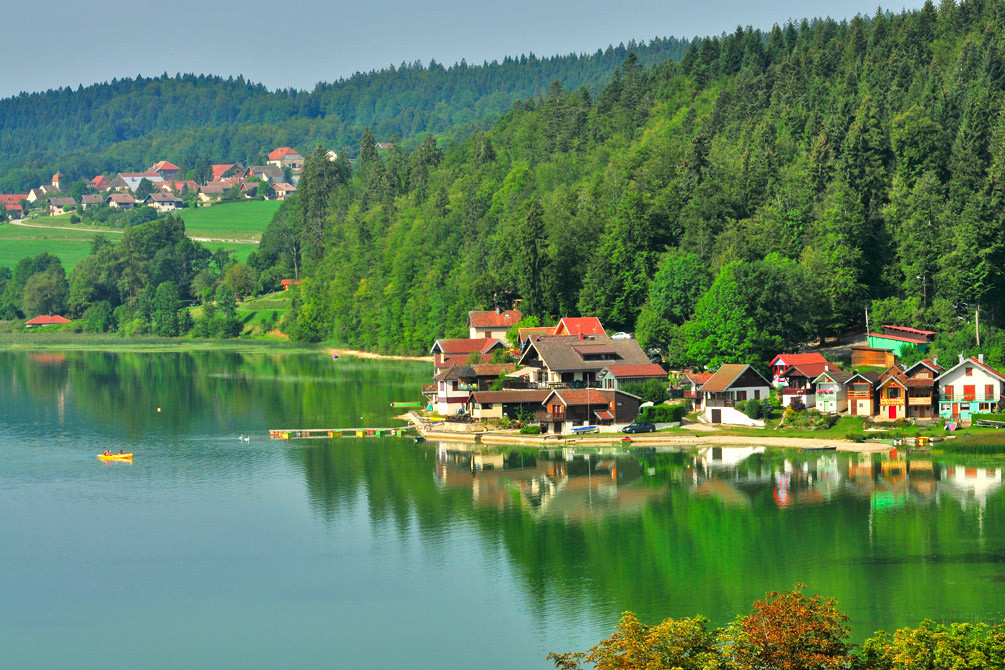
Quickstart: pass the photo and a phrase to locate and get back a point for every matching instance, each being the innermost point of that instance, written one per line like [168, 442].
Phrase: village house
[212, 191]
[35, 194]
[286, 157]
[730, 384]
[690, 383]
[831, 390]
[872, 357]
[451, 398]
[969, 387]
[90, 200]
[908, 393]
[250, 188]
[46, 320]
[59, 181]
[896, 338]
[782, 362]
[179, 187]
[569, 409]
[269, 173]
[861, 391]
[284, 190]
[60, 205]
[123, 201]
[492, 324]
[616, 376]
[10, 200]
[797, 383]
[483, 405]
[130, 181]
[576, 360]
[14, 211]
[163, 202]
[579, 325]
[167, 171]
[100, 183]
[225, 170]
[448, 352]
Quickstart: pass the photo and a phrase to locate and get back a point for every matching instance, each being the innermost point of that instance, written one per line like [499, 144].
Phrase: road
[21, 222]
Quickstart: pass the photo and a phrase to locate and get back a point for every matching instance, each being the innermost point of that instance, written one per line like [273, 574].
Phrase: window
[893, 392]
[969, 372]
[741, 395]
[949, 392]
[757, 394]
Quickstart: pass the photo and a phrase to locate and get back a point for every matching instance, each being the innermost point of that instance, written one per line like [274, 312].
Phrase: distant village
[572, 377]
[276, 180]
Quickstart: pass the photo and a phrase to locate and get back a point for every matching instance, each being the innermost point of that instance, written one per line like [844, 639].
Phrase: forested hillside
[197, 120]
[759, 193]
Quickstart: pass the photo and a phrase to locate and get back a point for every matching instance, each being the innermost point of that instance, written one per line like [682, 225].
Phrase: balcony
[968, 397]
[550, 417]
[720, 402]
[923, 400]
[786, 390]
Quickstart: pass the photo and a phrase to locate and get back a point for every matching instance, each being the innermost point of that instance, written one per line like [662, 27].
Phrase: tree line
[759, 193]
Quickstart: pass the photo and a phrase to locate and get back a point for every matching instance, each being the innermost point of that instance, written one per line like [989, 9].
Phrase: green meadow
[231, 221]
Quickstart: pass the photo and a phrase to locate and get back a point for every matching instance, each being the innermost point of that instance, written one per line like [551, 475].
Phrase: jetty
[330, 433]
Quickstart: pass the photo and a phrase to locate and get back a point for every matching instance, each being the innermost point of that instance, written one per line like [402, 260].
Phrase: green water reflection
[469, 554]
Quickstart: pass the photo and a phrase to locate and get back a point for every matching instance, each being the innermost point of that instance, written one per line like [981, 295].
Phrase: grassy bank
[88, 342]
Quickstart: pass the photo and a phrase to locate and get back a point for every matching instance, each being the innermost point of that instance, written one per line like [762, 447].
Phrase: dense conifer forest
[762, 192]
[193, 121]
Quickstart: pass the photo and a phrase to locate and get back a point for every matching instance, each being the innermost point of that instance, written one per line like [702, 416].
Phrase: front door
[893, 411]
[716, 416]
[956, 410]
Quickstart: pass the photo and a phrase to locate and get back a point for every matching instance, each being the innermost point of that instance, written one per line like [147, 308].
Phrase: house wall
[499, 333]
[732, 416]
[832, 398]
[961, 403]
[809, 399]
[896, 346]
[877, 358]
[449, 398]
[898, 404]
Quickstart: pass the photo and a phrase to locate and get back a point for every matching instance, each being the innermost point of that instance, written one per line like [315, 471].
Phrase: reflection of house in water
[970, 485]
[581, 488]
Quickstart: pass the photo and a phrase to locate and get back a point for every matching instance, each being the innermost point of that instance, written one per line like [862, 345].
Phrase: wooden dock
[331, 433]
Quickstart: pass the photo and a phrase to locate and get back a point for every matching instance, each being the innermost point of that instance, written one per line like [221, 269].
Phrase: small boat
[116, 457]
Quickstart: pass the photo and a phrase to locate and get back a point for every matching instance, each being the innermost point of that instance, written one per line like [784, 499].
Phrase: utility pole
[977, 325]
[867, 322]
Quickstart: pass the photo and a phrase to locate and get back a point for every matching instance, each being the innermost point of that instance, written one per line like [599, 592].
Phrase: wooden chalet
[568, 409]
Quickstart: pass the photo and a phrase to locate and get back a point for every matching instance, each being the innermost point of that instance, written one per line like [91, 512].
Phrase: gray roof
[63, 202]
[565, 353]
[162, 197]
[91, 199]
[271, 172]
[836, 376]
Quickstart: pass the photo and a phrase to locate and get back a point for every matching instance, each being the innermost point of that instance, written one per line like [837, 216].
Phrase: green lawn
[232, 221]
[17, 242]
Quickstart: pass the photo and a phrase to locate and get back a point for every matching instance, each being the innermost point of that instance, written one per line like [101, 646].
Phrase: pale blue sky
[298, 42]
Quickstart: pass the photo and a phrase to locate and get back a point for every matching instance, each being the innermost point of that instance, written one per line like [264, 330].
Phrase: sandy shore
[370, 354]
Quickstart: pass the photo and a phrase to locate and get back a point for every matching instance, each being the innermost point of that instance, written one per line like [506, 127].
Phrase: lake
[212, 551]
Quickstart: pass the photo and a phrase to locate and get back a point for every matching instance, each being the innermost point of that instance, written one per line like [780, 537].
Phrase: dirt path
[370, 354]
[20, 222]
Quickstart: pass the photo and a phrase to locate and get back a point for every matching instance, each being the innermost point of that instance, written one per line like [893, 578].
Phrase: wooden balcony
[550, 417]
[719, 402]
[923, 400]
[860, 395]
[888, 402]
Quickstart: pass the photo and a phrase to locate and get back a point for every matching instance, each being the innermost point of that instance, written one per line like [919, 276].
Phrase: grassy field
[231, 221]
[17, 242]
[36, 340]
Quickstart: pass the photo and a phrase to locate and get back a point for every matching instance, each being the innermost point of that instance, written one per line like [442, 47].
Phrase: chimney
[581, 338]
[827, 367]
[935, 360]
[980, 358]
[961, 358]
[498, 311]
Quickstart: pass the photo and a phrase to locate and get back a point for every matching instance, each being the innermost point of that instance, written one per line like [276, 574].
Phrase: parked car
[639, 428]
[621, 336]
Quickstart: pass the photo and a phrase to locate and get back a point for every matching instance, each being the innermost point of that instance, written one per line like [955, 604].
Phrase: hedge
[663, 413]
[530, 430]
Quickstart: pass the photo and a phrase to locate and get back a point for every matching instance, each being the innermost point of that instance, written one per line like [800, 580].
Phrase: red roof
[493, 319]
[809, 370]
[651, 370]
[46, 320]
[797, 359]
[12, 198]
[221, 169]
[986, 367]
[276, 154]
[580, 325]
[287, 282]
[699, 378]
[911, 330]
[913, 340]
[584, 396]
[164, 165]
[466, 345]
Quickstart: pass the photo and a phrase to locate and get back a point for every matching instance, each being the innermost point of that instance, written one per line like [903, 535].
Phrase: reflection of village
[577, 485]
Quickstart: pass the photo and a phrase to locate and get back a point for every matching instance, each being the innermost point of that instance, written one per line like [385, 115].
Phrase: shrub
[797, 404]
[652, 390]
[663, 413]
[767, 407]
[530, 430]
[753, 409]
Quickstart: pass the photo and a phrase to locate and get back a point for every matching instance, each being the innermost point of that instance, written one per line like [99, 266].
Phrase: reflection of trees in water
[665, 541]
[215, 390]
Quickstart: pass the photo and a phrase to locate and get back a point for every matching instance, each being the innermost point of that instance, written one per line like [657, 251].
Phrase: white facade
[832, 397]
[809, 399]
[498, 332]
[449, 397]
[967, 389]
[731, 416]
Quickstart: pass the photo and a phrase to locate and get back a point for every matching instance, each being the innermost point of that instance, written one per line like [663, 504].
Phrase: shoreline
[355, 353]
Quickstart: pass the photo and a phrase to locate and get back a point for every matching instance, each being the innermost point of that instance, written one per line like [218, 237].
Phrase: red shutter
[949, 392]
[989, 391]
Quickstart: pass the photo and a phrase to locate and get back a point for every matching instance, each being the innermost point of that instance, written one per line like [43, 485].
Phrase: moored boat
[116, 457]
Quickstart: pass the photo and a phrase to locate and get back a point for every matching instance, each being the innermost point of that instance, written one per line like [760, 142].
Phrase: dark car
[639, 428]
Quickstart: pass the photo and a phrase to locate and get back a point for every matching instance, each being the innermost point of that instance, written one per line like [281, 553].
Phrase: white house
[451, 394]
[832, 392]
[969, 387]
[730, 384]
[492, 324]
[163, 202]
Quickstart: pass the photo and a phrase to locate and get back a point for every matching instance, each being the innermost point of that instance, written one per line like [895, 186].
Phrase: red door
[956, 410]
[969, 392]
[893, 411]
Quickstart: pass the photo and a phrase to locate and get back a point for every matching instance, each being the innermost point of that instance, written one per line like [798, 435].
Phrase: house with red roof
[287, 283]
[565, 410]
[286, 157]
[225, 170]
[284, 190]
[797, 381]
[616, 376]
[167, 171]
[970, 387]
[447, 352]
[100, 183]
[46, 320]
[690, 383]
[781, 362]
[492, 324]
[580, 325]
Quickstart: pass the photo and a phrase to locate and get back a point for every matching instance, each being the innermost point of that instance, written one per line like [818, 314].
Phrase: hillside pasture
[230, 221]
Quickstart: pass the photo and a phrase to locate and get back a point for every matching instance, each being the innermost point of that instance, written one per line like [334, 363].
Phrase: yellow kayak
[116, 457]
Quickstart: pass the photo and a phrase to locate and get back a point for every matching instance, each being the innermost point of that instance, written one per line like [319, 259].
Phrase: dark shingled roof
[564, 353]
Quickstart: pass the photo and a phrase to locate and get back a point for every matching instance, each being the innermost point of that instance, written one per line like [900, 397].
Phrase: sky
[300, 42]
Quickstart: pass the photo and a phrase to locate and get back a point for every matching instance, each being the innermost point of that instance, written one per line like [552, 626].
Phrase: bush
[753, 409]
[797, 404]
[767, 407]
[663, 413]
[652, 390]
[530, 430]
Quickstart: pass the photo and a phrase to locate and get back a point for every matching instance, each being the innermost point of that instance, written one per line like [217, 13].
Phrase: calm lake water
[209, 551]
